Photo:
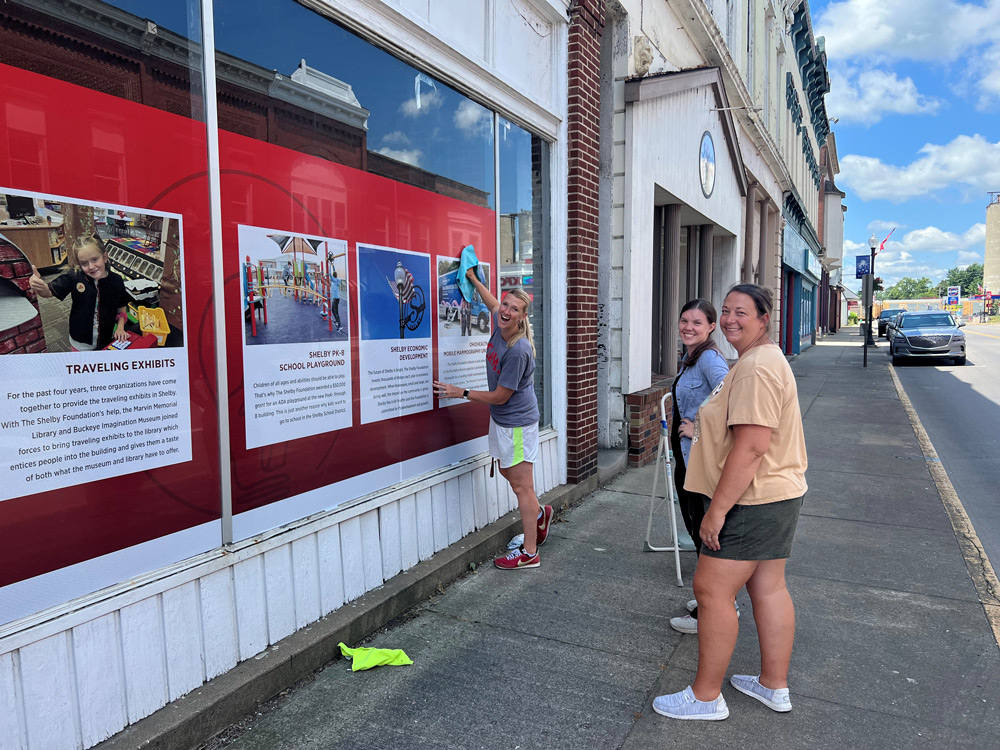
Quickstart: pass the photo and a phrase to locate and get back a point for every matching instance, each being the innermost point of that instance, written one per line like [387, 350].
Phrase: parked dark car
[933, 334]
[885, 316]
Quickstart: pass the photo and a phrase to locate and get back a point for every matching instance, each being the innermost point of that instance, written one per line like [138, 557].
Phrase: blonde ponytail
[524, 328]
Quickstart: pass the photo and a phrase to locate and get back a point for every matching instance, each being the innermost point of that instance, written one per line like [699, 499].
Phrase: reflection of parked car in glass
[885, 316]
[927, 333]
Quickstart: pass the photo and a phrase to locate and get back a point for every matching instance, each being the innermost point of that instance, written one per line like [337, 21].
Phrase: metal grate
[930, 342]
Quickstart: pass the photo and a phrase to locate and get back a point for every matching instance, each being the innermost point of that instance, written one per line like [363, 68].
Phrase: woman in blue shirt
[702, 369]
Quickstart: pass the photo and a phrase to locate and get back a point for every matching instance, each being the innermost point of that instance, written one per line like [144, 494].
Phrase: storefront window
[112, 442]
[523, 232]
[352, 186]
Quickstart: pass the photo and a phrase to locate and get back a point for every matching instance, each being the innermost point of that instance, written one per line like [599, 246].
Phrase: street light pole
[872, 244]
[400, 278]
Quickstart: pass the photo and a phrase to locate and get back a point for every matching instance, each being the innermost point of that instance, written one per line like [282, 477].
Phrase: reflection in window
[523, 232]
[146, 51]
[292, 77]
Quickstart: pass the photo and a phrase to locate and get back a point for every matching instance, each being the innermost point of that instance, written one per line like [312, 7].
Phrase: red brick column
[583, 141]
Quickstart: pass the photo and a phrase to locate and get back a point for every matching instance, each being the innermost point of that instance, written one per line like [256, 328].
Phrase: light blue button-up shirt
[693, 386]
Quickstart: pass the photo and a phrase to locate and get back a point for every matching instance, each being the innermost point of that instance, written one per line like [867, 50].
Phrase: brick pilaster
[583, 142]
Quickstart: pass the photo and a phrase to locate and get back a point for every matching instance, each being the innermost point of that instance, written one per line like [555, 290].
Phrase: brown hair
[762, 298]
[692, 355]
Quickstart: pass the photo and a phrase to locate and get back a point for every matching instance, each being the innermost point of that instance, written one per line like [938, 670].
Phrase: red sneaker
[517, 559]
[543, 525]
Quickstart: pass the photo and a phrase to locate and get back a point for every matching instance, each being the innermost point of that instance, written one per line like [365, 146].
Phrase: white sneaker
[684, 705]
[687, 623]
[776, 700]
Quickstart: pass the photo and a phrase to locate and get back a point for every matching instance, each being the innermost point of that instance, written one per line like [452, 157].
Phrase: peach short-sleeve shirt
[759, 390]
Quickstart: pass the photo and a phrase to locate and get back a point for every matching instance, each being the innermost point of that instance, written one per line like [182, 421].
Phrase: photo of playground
[456, 315]
[142, 250]
[393, 300]
[294, 288]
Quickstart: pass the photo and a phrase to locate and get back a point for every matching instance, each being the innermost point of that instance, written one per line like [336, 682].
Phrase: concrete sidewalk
[893, 648]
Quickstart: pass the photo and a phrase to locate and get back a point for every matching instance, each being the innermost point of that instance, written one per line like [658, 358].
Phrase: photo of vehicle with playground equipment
[294, 288]
[456, 315]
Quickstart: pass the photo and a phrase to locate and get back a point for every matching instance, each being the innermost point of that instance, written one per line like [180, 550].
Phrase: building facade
[710, 177]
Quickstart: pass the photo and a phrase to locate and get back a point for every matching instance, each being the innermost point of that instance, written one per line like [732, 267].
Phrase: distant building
[991, 266]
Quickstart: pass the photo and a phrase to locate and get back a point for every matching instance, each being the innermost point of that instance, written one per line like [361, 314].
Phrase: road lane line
[988, 335]
[983, 576]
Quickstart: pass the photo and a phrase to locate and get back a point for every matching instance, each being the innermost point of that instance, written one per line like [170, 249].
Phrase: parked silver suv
[927, 333]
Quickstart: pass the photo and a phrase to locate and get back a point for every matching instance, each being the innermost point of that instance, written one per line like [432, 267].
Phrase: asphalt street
[960, 409]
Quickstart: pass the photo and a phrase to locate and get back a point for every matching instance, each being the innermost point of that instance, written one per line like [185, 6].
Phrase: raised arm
[491, 302]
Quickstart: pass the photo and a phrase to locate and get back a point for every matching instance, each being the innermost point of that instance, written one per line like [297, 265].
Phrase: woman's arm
[716, 367]
[495, 398]
[491, 302]
[750, 443]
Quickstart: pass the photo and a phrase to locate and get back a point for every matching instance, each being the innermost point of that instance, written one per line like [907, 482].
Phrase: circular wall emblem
[706, 164]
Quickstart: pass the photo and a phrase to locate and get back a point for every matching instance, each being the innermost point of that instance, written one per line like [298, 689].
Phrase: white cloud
[969, 162]
[396, 138]
[428, 100]
[472, 119]
[927, 30]
[934, 240]
[880, 225]
[967, 257]
[411, 156]
[867, 96]
[932, 31]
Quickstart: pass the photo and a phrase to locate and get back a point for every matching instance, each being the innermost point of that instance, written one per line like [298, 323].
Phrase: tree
[968, 278]
[907, 288]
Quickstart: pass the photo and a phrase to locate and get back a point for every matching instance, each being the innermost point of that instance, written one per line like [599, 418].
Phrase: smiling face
[92, 261]
[695, 328]
[510, 316]
[741, 323]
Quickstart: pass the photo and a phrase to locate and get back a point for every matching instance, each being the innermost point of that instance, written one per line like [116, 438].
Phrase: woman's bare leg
[716, 583]
[522, 481]
[774, 614]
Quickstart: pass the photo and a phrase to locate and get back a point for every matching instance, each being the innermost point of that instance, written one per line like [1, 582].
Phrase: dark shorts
[758, 532]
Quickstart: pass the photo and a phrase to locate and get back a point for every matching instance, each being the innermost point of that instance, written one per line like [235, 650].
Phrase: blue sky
[916, 87]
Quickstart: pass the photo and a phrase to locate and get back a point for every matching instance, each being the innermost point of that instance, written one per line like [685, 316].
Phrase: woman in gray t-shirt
[513, 437]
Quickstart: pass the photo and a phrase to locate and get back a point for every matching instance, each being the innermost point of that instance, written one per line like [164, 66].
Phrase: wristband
[121, 316]
[465, 394]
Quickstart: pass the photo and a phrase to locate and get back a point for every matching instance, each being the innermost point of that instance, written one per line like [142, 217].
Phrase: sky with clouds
[916, 87]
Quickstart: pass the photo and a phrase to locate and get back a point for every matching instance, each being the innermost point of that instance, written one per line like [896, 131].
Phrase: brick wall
[15, 270]
[583, 142]
[642, 410]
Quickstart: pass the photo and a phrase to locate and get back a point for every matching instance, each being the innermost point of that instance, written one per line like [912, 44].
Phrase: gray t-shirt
[514, 368]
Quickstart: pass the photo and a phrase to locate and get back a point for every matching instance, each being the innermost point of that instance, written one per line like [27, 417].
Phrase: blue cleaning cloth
[468, 260]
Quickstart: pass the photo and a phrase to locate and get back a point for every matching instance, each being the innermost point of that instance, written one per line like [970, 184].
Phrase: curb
[224, 700]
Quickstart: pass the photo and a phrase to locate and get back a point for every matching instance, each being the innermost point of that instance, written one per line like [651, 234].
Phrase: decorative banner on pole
[862, 265]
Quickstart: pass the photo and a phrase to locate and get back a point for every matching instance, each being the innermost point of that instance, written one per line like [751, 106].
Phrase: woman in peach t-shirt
[748, 455]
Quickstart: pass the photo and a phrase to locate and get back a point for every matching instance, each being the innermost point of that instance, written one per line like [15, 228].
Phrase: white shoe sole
[684, 628]
[781, 708]
[701, 717]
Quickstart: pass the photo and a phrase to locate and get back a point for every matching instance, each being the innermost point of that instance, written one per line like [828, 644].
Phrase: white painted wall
[656, 158]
